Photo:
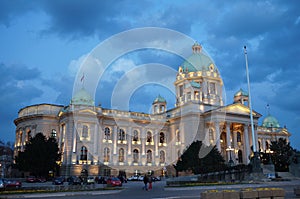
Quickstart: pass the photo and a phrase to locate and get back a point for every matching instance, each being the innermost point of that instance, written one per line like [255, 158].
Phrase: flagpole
[250, 105]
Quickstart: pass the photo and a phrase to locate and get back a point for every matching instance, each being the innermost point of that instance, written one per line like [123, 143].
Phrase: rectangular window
[180, 90]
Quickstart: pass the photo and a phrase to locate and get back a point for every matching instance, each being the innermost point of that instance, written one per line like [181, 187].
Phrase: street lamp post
[255, 162]
[229, 149]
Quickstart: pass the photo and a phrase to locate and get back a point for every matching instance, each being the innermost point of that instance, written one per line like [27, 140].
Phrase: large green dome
[82, 97]
[198, 61]
[270, 122]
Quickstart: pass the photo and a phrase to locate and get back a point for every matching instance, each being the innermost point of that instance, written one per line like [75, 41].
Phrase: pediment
[240, 109]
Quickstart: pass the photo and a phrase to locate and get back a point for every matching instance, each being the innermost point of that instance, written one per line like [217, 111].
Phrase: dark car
[113, 181]
[102, 180]
[8, 183]
[58, 181]
[31, 179]
[41, 179]
[73, 180]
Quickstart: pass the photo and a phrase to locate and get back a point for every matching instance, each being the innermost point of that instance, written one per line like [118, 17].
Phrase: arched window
[135, 156]
[240, 156]
[238, 137]
[121, 135]
[161, 137]
[85, 131]
[177, 136]
[83, 154]
[162, 157]
[106, 154]
[149, 156]
[135, 136]
[211, 136]
[107, 133]
[28, 135]
[121, 155]
[149, 136]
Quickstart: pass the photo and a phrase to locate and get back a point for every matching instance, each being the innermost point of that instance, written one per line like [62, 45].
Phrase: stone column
[129, 141]
[143, 139]
[228, 141]
[115, 139]
[217, 138]
[155, 137]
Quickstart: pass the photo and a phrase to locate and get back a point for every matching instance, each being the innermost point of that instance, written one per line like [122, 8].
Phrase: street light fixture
[229, 149]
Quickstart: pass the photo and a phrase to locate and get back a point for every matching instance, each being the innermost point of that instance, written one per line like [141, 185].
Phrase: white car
[141, 178]
[133, 178]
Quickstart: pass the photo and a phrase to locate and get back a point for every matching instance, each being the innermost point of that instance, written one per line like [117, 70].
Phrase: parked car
[58, 181]
[113, 181]
[133, 178]
[90, 180]
[155, 178]
[31, 179]
[73, 180]
[102, 180]
[12, 183]
[141, 178]
[1, 183]
[41, 179]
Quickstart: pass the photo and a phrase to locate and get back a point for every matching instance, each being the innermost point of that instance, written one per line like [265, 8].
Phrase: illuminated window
[83, 155]
[135, 156]
[135, 136]
[149, 156]
[149, 136]
[161, 137]
[180, 90]
[121, 155]
[107, 133]
[238, 137]
[121, 135]
[28, 135]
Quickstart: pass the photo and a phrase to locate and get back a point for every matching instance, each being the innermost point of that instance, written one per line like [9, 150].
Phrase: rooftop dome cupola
[159, 105]
[242, 97]
[82, 97]
[196, 48]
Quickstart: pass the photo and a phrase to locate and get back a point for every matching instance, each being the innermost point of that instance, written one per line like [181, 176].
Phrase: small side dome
[270, 122]
[82, 97]
[159, 99]
[241, 92]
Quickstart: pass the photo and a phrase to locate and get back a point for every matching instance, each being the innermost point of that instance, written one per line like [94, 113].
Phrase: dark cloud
[9, 9]
[16, 92]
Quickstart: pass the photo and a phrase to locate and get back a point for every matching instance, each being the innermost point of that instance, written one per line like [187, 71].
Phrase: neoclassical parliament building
[106, 141]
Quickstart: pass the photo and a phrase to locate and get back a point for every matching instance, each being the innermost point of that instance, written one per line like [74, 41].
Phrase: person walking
[150, 182]
[145, 182]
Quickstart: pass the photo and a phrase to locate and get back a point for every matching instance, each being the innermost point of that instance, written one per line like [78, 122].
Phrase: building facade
[107, 141]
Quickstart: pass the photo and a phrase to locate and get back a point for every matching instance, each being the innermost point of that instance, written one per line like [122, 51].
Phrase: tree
[282, 152]
[190, 159]
[40, 156]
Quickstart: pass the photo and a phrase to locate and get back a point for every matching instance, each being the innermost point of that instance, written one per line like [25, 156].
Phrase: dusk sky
[44, 42]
